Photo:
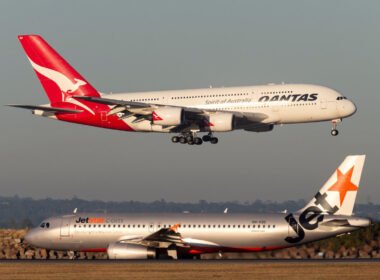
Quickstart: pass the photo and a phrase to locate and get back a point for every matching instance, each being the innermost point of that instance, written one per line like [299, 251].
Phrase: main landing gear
[192, 139]
[334, 131]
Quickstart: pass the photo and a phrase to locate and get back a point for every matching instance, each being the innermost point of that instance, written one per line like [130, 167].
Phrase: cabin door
[65, 227]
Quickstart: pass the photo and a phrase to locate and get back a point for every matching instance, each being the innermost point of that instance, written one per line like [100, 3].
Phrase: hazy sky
[124, 46]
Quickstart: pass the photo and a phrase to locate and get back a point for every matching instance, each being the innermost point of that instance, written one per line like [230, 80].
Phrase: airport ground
[94, 270]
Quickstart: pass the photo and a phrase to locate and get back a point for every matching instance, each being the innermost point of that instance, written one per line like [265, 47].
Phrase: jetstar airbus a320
[143, 236]
[184, 112]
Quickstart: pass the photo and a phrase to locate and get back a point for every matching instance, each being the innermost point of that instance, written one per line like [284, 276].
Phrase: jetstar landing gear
[334, 131]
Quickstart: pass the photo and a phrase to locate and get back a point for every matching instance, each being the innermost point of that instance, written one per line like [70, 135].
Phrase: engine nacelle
[168, 116]
[129, 251]
[260, 128]
[220, 122]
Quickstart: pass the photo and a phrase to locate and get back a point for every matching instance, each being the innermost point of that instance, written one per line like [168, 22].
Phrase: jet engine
[260, 128]
[129, 251]
[220, 122]
[168, 116]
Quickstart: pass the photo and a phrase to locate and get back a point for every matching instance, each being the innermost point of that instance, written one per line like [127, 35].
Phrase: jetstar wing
[45, 108]
[162, 238]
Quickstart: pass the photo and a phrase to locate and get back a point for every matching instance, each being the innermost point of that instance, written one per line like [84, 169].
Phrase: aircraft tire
[198, 141]
[206, 138]
[175, 139]
[214, 140]
[182, 140]
[334, 132]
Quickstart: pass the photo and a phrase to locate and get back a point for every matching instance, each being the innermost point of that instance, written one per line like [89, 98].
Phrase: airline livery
[184, 112]
[143, 236]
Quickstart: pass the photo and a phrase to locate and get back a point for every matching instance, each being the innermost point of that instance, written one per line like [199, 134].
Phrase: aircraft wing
[160, 239]
[45, 108]
[191, 113]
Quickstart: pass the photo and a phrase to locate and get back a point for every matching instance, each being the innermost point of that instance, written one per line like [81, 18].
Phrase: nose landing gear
[334, 131]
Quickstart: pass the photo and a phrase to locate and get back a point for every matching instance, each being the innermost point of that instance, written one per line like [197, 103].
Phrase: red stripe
[95, 250]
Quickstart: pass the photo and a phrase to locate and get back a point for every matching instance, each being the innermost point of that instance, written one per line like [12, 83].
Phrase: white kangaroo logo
[65, 84]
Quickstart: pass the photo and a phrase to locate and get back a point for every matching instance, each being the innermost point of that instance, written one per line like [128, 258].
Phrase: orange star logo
[343, 184]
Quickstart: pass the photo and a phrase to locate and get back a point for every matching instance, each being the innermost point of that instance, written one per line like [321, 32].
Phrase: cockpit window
[341, 98]
[42, 225]
[47, 225]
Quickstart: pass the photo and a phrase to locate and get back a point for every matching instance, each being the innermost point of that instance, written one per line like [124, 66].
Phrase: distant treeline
[16, 212]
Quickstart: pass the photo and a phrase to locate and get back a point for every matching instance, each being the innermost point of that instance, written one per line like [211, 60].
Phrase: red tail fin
[57, 77]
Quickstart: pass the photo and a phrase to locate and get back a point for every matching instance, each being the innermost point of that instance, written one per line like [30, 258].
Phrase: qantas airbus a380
[144, 236]
[184, 112]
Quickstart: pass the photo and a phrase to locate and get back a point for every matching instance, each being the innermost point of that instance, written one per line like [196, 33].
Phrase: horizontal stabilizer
[45, 109]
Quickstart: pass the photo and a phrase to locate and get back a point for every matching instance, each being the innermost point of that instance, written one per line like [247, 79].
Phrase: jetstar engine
[129, 251]
[219, 122]
[168, 116]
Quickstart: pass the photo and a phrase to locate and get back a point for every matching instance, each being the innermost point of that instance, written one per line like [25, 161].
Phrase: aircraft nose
[346, 108]
[30, 236]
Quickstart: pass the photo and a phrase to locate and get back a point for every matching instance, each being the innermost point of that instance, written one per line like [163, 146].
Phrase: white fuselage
[281, 104]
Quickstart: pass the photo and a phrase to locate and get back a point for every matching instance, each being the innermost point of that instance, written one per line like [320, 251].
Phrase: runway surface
[222, 261]
[190, 269]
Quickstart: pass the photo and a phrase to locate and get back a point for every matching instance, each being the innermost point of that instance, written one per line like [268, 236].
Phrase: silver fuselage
[205, 232]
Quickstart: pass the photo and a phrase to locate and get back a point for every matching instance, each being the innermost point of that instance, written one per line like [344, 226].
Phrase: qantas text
[290, 97]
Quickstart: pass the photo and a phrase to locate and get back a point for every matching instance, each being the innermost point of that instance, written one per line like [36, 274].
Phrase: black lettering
[313, 97]
[274, 98]
[296, 227]
[295, 97]
[78, 221]
[320, 199]
[263, 98]
[285, 98]
[305, 218]
[303, 97]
